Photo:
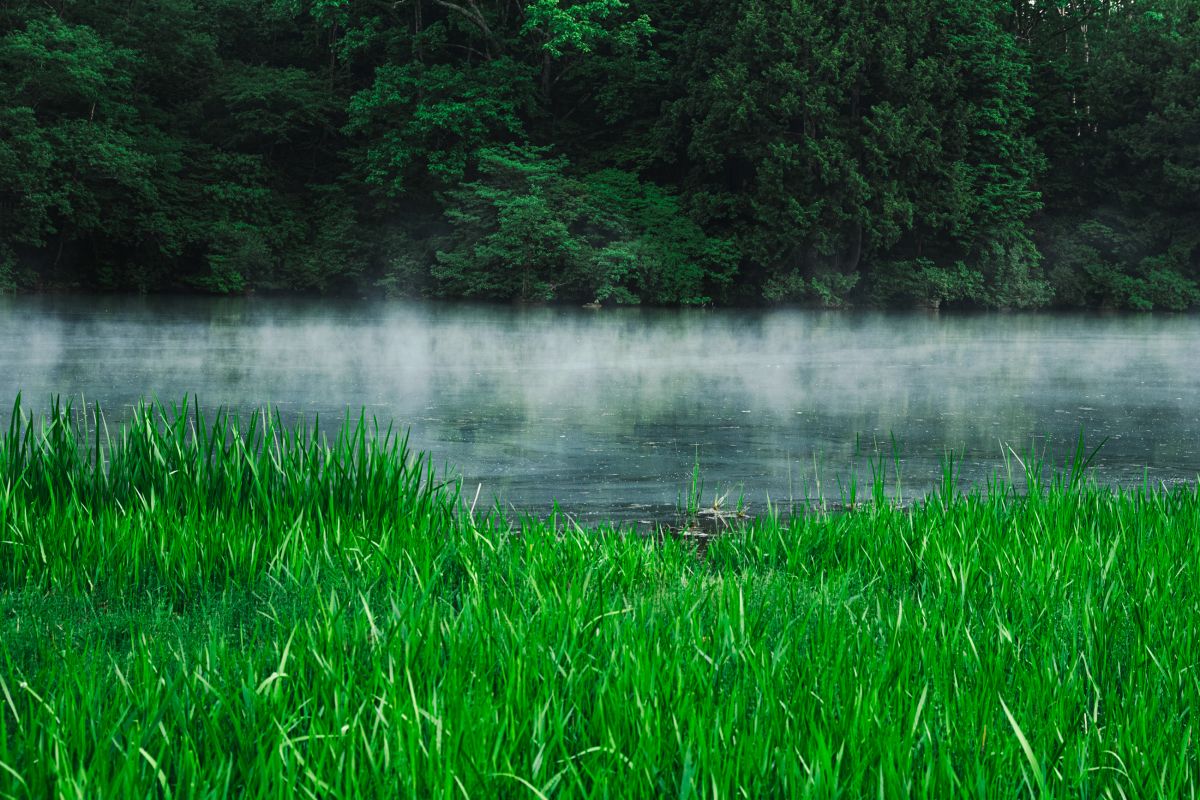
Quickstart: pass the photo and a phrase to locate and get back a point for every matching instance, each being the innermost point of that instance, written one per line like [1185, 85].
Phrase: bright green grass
[256, 614]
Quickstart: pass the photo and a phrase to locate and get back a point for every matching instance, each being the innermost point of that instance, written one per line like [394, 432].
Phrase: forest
[930, 153]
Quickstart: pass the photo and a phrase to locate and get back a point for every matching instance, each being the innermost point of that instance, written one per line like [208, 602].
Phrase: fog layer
[608, 411]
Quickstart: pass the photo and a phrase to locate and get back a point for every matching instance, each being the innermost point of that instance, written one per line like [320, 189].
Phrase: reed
[200, 606]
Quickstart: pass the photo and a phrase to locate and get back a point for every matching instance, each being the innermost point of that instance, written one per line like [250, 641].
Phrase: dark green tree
[1004, 154]
[1119, 120]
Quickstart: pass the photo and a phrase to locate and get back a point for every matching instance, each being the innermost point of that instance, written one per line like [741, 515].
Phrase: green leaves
[829, 135]
[670, 259]
[424, 124]
[530, 230]
[61, 68]
[580, 27]
[817, 150]
[270, 107]
[1120, 123]
[66, 153]
[512, 229]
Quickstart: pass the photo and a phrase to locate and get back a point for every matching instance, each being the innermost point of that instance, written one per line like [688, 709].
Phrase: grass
[202, 608]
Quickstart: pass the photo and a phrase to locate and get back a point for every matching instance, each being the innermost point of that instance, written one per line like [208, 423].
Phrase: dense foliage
[246, 611]
[1004, 153]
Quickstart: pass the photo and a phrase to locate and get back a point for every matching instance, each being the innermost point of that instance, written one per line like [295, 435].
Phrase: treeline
[998, 153]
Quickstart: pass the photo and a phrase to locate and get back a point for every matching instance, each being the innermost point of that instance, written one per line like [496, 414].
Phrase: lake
[608, 411]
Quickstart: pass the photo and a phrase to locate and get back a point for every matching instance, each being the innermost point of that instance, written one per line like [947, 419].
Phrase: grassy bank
[247, 611]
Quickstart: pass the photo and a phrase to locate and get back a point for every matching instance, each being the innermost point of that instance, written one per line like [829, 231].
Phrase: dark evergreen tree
[925, 151]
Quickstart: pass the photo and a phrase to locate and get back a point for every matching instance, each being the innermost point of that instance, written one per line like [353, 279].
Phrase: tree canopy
[912, 152]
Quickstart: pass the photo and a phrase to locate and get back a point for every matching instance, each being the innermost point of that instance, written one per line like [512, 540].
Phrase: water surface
[607, 411]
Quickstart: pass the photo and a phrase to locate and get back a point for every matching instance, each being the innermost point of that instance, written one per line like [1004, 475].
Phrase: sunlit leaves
[579, 27]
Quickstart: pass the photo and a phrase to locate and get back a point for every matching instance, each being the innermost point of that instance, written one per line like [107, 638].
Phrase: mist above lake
[607, 412]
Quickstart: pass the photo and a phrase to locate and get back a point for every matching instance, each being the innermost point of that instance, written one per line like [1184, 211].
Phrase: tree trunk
[856, 247]
[547, 63]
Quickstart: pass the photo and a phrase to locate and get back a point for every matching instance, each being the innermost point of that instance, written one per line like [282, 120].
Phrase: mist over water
[607, 411]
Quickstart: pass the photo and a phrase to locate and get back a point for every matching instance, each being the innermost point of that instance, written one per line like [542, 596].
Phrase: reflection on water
[607, 411]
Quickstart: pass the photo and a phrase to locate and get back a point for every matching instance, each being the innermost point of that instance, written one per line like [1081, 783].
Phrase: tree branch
[473, 14]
